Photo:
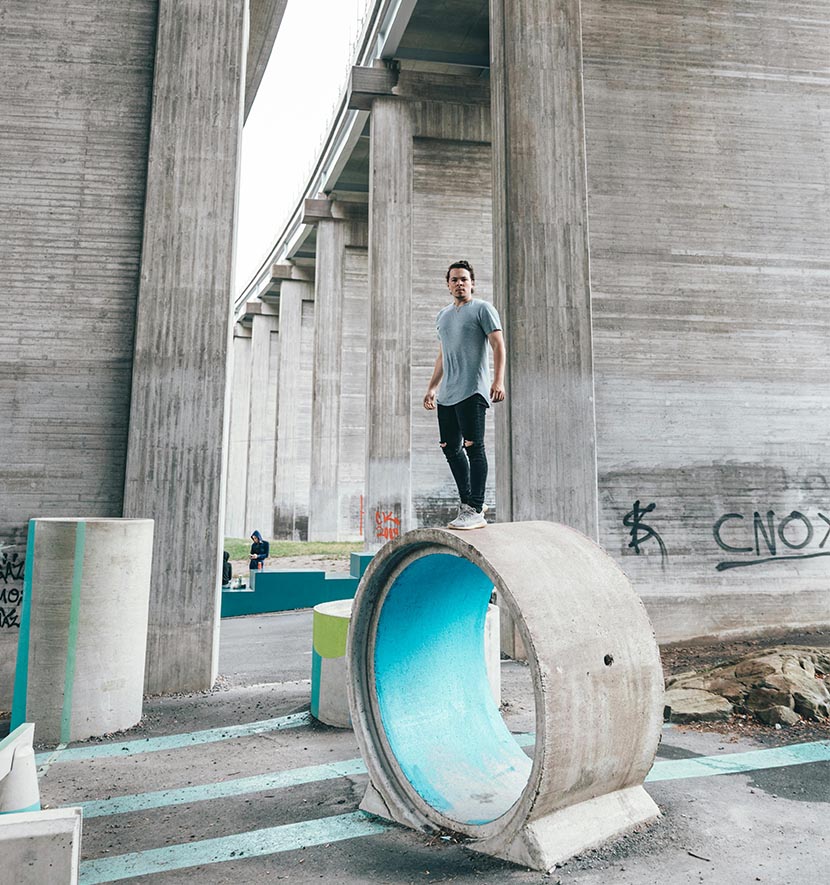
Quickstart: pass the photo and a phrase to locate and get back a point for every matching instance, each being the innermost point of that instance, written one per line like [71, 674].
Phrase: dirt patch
[705, 655]
[296, 563]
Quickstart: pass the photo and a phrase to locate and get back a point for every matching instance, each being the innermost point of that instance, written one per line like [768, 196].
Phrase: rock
[757, 667]
[696, 705]
[778, 716]
[679, 677]
[760, 698]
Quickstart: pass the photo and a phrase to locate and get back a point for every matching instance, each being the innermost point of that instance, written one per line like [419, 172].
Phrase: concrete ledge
[281, 591]
[41, 847]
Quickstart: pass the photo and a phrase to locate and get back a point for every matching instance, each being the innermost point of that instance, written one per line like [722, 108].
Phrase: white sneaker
[468, 519]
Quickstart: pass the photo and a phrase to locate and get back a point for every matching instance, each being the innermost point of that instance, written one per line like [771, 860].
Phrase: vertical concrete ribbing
[238, 435]
[293, 456]
[262, 433]
[177, 422]
[328, 367]
[388, 480]
[547, 447]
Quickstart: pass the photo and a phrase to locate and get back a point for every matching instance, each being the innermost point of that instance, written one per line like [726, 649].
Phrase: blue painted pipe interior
[440, 719]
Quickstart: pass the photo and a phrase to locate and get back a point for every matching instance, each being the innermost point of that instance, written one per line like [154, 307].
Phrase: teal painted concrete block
[277, 591]
[358, 563]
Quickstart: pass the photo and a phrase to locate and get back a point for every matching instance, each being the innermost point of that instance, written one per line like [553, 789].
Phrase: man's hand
[429, 399]
[496, 392]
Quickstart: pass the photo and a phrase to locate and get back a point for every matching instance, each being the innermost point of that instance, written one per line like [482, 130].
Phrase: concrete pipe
[83, 631]
[439, 755]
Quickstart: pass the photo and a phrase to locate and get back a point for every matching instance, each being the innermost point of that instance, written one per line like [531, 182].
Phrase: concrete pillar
[338, 419]
[388, 481]
[293, 455]
[239, 434]
[174, 470]
[547, 446]
[262, 434]
[88, 587]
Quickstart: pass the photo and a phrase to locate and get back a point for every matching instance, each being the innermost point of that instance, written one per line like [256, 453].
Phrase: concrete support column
[388, 475]
[547, 440]
[262, 436]
[239, 434]
[328, 367]
[293, 455]
[177, 420]
[338, 422]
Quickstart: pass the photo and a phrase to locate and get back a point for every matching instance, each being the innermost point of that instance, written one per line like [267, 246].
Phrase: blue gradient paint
[439, 716]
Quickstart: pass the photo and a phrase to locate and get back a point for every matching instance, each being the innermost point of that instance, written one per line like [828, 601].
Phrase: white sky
[290, 117]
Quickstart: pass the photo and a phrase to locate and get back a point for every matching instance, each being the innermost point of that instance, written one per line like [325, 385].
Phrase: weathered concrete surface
[581, 621]
[239, 434]
[292, 477]
[83, 673]
[708, 202]
[388, 445]
[340, 337]
[77, 82]
[262, 427]
[547, 440]
[178, 425]
[41, 846]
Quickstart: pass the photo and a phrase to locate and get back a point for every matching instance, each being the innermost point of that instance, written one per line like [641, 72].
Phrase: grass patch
[240, 548]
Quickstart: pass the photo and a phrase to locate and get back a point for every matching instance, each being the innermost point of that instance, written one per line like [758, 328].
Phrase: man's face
[460, 284]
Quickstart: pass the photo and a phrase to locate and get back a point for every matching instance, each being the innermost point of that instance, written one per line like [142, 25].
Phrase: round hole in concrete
[608, 660]
[438, 714]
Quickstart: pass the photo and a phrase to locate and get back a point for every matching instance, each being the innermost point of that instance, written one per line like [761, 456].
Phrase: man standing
[464, 328]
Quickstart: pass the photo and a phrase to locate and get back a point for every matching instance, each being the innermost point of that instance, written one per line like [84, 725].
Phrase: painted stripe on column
[176, 741]
[256, 843]
[72, 641]
[21, 673]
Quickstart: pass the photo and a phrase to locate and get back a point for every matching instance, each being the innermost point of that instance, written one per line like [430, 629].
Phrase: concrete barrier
[19, 790]
[438, 753]
[329, 661]
[83, 631]
[41, 847]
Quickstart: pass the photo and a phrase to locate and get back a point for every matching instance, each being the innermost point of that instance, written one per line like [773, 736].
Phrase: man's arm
[437, 375]
[496, 340]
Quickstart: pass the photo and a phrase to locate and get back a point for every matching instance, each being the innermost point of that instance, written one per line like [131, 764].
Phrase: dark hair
[463, 265]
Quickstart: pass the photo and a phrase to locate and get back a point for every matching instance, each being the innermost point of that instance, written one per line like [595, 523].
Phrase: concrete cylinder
[83, 633]
[329, 669]
[438, 753]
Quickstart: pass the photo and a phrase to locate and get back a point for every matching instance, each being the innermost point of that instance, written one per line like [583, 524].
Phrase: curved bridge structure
[439, 755]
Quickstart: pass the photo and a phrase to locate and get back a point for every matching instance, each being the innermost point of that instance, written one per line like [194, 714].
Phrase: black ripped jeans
[464, 422]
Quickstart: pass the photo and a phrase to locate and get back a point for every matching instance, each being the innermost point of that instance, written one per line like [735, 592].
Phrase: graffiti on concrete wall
[759, 538]
[771, 538]
[11, 590]
[387, 525]
[641, 532]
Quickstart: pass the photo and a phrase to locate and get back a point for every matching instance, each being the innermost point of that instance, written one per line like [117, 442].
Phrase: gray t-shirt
[463, 333]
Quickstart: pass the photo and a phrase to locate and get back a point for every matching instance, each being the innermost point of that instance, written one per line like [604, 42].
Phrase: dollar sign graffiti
[641, 531]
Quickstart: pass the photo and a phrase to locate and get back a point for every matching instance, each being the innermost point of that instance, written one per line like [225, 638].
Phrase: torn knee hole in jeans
[443, 445]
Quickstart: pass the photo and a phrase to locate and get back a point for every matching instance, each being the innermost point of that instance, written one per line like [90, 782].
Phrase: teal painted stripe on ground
[675, 769]
[175, 741]
[21, 673]
[72, 639]
[237, 787]
[736, 763]
[256, 843]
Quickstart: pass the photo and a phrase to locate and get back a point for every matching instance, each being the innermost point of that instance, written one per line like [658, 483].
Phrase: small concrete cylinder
[83, 633]
[439, 756]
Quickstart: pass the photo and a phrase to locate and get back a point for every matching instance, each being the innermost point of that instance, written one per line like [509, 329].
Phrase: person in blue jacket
[259, 552]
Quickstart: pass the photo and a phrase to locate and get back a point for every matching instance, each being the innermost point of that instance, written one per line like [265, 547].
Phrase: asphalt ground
[240, 784]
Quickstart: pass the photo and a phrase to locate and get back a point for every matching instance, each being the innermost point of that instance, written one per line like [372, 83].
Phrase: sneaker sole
[467, 528]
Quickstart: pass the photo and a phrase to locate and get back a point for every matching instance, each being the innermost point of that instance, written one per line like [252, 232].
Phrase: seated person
[259, 552]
